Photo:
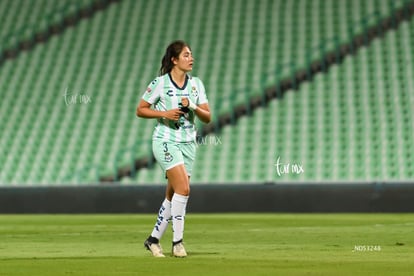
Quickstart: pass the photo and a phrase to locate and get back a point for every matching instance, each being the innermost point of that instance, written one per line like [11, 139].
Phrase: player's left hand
[187, 103]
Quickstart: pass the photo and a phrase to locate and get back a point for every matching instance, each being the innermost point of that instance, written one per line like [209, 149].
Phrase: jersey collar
[176, 86]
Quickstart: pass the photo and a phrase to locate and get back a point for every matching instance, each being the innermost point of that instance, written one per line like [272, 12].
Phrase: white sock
[178, 206]
[164, 217]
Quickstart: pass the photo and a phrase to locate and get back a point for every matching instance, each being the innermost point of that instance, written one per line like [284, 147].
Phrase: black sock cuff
[177, 242]
[151, 239]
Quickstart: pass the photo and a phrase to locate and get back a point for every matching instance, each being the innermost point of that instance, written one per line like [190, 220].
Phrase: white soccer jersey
[164, 94]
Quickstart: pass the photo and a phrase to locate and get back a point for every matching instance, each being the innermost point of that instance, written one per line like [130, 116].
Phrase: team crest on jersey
[168, 157]
[194, 92]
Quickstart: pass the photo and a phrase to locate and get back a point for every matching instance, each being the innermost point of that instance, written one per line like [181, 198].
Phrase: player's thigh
[188, 151]
[170, 158]
[167, 154]
[178, 180]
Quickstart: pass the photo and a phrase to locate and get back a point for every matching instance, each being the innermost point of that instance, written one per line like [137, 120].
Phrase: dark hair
[173, 51]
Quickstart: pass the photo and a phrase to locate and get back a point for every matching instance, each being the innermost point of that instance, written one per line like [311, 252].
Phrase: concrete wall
[287, 197]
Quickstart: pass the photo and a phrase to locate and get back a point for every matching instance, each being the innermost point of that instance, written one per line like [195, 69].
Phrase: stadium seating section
[68, 105]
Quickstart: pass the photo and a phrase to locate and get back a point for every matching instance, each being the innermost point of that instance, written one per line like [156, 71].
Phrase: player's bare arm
[144, 111]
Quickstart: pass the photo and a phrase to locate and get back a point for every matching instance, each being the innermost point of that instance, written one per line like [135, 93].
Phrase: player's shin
[164, 217]
[178, 208]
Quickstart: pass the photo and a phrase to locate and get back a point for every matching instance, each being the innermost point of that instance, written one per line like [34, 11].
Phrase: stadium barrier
[271, 197]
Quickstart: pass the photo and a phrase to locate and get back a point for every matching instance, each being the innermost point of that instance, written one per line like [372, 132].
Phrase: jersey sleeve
[202, 97]
[152, 94]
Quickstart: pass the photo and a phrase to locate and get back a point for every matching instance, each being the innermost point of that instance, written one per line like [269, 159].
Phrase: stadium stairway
[26, 24]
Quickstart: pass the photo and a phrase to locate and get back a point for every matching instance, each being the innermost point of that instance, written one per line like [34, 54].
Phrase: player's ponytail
[173, 51]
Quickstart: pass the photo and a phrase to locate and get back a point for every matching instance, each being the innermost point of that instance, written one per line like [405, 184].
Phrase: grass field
[222, 244]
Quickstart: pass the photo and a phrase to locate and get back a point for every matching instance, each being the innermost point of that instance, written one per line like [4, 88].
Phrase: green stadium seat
[113, 55]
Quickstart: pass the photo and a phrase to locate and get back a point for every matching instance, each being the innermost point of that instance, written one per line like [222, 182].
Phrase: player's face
[185, 60]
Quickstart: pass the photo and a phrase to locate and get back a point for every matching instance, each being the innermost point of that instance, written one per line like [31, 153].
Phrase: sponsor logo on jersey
[170, 93]
[182, 94]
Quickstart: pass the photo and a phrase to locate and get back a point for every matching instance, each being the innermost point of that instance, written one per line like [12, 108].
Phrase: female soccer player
[177, 98]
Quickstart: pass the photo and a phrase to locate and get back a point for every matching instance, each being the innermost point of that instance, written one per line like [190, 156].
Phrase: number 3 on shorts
[165, 147]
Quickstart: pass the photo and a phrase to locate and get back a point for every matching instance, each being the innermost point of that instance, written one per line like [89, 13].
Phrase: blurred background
[301, 91]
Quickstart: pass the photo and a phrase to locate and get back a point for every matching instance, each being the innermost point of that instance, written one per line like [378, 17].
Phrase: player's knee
[183, 190]
[186, 190]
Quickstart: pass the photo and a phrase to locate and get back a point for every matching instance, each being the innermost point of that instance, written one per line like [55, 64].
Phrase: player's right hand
[173, 114]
